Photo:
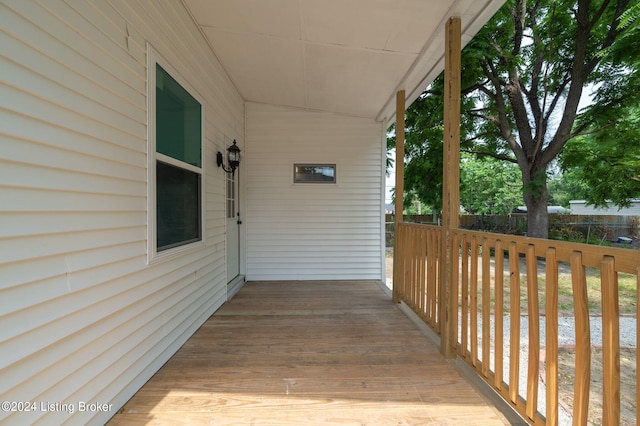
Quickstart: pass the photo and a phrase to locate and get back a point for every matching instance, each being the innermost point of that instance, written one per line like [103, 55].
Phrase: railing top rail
[627, 261]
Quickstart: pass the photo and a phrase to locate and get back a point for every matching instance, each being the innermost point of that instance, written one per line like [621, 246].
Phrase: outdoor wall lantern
[233, 158]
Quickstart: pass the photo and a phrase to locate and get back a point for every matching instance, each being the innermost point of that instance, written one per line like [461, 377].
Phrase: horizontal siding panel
[323, 251]
[325, 263]
[27, 199]
[24, 248]
[302, 274]
[122, 345]
[313, 231]
[29, 104]
[47, 45]
[89, 46]
[45, 177]
[64, 284]
[312, 216]
[29, 223]
[296, 241]
[33, 331]
[295, 238]
[107, 51]
[50, 136]
[78, 102]
[48, 156]
[83, 314]
[61, 76]
[314, 248]
[35, 273]
[34, 270]
[135, 39]
[114, 28]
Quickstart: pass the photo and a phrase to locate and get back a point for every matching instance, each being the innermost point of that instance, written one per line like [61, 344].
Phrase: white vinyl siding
[83, 316]
[581, 207]
[306, 231]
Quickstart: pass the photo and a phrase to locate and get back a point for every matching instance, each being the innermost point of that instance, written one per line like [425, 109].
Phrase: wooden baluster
[499, 314]
[432, 284]
[407, 265]
[465, 298]
[426, 248]
[455, 289]
[474, 301]
[398, 264]
[534, 332]
[583, 341]
[486, 307]
[420, 265]
[412, 271]
[435, 279]
[514, 306]
[404, 261]
[610, 342]
[551, 331]
[408, 282]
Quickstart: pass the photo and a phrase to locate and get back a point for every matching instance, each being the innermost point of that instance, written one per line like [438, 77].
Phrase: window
[314, 173]
[231, 195]
[176, 204]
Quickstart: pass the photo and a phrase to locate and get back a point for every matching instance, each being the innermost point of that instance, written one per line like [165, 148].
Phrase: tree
[566, 186]
[608, 157]
[523, 76]
[608, 161]
[489, 186]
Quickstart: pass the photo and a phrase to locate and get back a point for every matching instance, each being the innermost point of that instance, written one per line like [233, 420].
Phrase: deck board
[308, 353]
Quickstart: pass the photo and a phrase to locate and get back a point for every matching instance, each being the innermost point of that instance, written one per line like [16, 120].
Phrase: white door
[233, 228]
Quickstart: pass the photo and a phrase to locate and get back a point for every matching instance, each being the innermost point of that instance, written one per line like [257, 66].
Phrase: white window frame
[153, 255]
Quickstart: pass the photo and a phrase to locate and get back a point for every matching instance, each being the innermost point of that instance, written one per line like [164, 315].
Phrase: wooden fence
[504, 280]
[603, 227]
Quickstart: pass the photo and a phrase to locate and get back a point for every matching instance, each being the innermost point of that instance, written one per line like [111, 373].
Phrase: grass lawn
[626, 293]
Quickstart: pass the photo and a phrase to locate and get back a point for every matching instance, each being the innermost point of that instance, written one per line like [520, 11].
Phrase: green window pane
[178, 120]
[178, 206]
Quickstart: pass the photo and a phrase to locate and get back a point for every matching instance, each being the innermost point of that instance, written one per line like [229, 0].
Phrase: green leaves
[489, 186]
[608, 160]
[523, 76]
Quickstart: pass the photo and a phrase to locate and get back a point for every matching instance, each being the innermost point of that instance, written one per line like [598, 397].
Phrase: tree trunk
[536, 198]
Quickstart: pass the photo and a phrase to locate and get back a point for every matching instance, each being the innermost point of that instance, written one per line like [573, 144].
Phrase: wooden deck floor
[308, 353]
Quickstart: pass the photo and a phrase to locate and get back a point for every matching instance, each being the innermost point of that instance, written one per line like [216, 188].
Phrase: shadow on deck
[332, 352]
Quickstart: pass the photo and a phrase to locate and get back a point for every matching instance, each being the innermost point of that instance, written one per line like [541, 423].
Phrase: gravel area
[566, 338]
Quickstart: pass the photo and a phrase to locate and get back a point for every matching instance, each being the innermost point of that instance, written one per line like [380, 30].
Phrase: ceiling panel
[277, 18]
[343, 56]
[344, 79]
[389, 25]
[263, 68]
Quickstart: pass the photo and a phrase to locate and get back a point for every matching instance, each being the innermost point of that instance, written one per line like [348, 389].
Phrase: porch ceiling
[343, 56]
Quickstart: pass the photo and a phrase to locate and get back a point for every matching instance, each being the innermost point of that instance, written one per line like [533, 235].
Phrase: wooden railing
[507, 285]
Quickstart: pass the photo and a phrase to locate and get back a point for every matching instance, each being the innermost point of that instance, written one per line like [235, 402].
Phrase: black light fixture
[233, 158]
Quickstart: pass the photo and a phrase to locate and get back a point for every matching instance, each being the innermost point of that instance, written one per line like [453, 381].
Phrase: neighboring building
[550, 210]
[119, 233]
[581, 207]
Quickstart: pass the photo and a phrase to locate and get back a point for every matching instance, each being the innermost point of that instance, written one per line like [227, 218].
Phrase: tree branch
[579, 131]
[580, 69]
[503, 119]
[491, 154]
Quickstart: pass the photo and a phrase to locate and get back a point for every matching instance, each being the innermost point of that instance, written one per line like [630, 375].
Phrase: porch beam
[451, 181]
[399, 202]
